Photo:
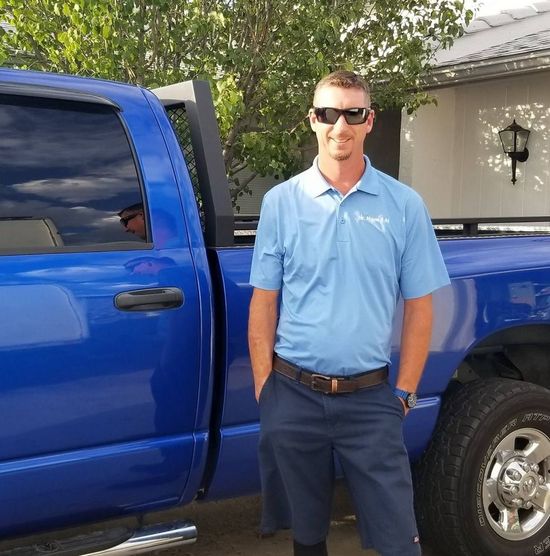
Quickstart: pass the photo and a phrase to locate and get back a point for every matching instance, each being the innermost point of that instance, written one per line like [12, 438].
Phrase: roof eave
[483, 70]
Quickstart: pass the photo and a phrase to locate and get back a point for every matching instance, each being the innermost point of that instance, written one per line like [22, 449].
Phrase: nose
[341, 122]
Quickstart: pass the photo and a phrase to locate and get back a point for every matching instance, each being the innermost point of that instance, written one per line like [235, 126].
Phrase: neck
[341, 174]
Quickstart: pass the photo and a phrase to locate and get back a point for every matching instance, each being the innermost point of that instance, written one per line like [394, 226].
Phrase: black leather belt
[329, 384]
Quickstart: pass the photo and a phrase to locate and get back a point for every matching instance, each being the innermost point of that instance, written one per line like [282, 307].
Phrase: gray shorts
[301, 430]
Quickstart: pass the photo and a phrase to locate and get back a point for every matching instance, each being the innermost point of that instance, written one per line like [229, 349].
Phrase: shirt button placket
[342, 225]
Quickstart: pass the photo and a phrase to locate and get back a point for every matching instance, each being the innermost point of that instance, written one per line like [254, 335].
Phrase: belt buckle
[324, 379]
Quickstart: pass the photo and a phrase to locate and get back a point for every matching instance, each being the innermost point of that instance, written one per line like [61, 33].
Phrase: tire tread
[438, 473]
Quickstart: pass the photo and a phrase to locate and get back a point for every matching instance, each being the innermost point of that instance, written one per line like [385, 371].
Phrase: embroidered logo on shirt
[379, 222]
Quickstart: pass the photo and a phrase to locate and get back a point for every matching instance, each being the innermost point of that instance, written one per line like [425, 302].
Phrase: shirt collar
[369, 180]
[318, 185]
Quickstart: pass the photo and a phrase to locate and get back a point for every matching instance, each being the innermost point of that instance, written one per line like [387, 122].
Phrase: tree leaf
[262, 59]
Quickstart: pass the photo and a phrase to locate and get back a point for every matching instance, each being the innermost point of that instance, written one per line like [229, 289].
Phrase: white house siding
[249, 204]
[452, 155]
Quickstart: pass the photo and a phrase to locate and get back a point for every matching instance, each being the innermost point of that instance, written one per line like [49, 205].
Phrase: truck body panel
[108, 410]
[97, 401]
[465, 314]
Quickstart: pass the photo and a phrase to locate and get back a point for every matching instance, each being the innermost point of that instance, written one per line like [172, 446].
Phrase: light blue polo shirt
[341, 264]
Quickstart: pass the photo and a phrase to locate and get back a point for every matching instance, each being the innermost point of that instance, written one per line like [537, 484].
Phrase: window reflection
[66, 165]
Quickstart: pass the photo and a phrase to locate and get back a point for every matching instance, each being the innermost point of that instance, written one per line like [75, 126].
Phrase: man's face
[341, 141]
[134, 223]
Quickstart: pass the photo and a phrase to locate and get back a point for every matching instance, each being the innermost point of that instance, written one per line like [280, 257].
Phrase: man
[132, 219]
[339, 243]
[166, 229]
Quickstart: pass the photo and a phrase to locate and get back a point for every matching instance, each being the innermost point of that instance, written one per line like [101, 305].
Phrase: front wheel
[483, 486]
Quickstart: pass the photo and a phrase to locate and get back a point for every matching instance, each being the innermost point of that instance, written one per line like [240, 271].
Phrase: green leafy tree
[262, 57]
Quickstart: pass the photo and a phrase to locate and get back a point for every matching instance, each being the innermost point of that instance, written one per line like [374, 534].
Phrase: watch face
[411, 400]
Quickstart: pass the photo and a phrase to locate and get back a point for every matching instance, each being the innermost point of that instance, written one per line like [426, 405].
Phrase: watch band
[401, 393]
[408, 397]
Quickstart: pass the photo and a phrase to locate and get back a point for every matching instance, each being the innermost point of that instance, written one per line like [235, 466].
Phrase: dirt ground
[228, 528]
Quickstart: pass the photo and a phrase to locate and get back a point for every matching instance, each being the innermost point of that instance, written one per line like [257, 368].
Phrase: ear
[370, 121]
[312, 119]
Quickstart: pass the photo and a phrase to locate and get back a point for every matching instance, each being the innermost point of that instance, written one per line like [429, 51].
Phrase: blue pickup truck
[125, 380]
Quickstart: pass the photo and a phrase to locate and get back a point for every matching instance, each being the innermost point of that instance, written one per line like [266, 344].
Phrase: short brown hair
[344, 79]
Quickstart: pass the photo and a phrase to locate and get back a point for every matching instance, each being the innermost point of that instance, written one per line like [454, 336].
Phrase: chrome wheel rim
[516, 485]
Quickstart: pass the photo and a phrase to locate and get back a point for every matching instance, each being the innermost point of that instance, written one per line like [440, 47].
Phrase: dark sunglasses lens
[331, 115]
[124, 221]
[355, 116]
[321, 114]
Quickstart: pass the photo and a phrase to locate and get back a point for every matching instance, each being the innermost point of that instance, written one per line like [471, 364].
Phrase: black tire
[452, 477]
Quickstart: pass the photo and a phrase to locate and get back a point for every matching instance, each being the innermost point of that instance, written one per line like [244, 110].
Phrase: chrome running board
[118, 541]
[153, 537]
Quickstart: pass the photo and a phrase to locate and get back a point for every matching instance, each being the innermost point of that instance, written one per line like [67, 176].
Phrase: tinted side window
[66, 171]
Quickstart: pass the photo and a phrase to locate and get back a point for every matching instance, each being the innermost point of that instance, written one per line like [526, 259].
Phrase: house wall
[452, 155]
[248, 204]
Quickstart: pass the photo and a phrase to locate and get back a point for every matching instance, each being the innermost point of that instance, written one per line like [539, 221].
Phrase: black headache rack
[191, 110]
[245, 229]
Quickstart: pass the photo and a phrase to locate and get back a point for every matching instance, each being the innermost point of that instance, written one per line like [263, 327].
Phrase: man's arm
[262, 324]
[415, 342]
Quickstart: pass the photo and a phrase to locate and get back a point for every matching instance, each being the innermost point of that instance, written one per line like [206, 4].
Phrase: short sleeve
[267, 260]
[422, 267]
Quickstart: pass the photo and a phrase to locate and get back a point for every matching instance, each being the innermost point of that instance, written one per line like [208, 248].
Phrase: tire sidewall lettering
[542, 547]
[475, 418]
[536, 420]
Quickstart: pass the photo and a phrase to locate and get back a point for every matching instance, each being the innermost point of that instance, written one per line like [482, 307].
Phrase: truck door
[99, 328]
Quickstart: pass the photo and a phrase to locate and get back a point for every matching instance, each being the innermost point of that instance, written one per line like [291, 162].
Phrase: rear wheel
[483, 486]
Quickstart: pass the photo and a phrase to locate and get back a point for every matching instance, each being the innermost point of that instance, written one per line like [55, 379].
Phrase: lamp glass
[514, 138]
[507, 139]
[521, 140]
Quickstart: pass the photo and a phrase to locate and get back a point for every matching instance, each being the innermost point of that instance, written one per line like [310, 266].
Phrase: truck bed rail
[445, 228]
[491, 226]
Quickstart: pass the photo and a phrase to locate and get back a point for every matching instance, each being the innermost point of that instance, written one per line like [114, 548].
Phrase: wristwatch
[408, 397]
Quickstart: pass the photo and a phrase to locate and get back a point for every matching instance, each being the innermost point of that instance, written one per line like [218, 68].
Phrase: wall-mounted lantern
[514, 142]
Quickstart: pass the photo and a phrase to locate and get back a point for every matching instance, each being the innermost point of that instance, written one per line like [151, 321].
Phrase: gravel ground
[228, 528]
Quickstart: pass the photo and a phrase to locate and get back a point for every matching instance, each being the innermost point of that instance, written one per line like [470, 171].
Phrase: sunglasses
[124, 221]
[353, 116]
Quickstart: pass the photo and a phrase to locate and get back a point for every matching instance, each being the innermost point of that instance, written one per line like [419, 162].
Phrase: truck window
[66, 172]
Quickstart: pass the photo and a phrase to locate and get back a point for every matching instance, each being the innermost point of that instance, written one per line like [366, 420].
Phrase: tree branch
[237, 167]
[241, 186]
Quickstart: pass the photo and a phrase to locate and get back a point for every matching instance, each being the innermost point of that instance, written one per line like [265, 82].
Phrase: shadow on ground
[228, 528]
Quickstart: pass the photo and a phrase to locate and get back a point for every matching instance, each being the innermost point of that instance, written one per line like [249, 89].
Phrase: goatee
[340, 156]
